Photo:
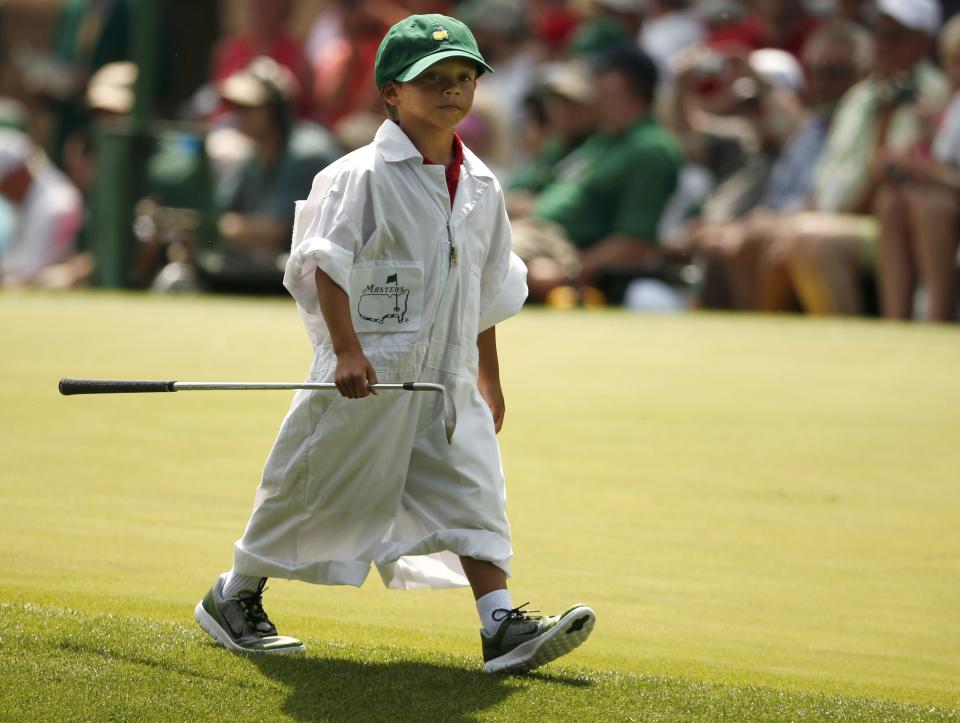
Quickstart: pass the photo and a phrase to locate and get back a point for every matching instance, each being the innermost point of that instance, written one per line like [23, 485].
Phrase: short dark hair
[639, 69]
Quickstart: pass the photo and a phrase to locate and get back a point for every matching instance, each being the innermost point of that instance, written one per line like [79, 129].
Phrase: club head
[449, 416]
[449, 408]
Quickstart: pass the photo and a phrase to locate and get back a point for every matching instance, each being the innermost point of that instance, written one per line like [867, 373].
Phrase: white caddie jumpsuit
[354, 482]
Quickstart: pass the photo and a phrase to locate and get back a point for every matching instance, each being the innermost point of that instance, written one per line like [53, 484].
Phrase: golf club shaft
[133, 386]
[113, 386]
[211, 386]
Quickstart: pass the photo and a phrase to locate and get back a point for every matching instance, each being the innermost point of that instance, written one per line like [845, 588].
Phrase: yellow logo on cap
[440, 34]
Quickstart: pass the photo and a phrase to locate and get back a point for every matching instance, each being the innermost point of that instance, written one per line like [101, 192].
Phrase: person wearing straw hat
[257, 205]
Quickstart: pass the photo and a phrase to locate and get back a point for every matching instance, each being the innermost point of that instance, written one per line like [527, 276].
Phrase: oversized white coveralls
[354, 482]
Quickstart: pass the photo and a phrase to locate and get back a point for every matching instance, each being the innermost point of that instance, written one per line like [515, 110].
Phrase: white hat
[778, 67]
[15, 150]
[262, 82]
[922, 15]
[570, 79]
[111, 88]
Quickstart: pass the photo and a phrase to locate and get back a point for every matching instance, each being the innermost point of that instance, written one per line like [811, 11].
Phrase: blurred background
[663, 155]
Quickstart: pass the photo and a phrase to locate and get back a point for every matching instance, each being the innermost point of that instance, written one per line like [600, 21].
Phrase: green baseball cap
[417, 42]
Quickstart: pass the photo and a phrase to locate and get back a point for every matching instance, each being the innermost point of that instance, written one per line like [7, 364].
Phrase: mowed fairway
[764, 512]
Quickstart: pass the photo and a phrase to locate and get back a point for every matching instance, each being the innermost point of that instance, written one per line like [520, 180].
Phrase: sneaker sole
[567, 635]
[209, 625]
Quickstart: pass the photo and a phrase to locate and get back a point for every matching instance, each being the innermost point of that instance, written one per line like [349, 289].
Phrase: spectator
[554, 24]
[89, 35]
[597, 34]
[781, 24]
[628, 13]
[13, 115]
[756, 109]
[727, 114]
[486, 132]
[569, 118]
[854, 11]
[173, 213]
[48, 208]
[732, 112]
[823, 257]
[669, 27]
[533, 135]
[258, 207]
[835, 57]
[931, 195]
[266, 35]
[603, 210]
[505, 39]
[343, 65]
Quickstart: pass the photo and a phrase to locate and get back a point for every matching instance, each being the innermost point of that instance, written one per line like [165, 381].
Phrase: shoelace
[517, 613]
[252, 604]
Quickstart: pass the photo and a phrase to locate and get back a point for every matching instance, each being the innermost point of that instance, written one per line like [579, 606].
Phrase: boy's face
[439, 98]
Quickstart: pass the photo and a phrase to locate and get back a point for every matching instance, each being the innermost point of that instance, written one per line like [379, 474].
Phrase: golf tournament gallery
[763, 511]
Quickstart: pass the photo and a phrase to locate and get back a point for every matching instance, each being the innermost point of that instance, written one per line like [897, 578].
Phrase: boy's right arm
[354, 371]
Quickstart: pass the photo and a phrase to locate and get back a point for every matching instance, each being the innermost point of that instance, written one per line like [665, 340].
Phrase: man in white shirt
[47, 206]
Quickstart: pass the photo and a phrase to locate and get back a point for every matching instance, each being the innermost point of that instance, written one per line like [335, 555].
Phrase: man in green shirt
[603, 209]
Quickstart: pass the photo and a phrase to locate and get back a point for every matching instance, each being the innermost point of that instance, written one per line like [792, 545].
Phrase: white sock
[488, 605]
[236, 583]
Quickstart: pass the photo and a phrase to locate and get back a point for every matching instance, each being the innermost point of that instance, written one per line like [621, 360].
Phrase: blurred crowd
[769, 155]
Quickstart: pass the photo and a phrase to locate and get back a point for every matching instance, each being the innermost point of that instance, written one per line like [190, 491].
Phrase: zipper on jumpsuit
[451, 255]
[451, 251]
[453, 246]
[451, 262]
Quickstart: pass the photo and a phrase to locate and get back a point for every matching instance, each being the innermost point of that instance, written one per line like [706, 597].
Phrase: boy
[401, 267]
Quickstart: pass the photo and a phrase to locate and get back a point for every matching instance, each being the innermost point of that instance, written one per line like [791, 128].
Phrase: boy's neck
[436, 145]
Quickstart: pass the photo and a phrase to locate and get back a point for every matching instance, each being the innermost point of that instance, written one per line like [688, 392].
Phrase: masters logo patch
[378, 303]
[386, 298]
[440, 34]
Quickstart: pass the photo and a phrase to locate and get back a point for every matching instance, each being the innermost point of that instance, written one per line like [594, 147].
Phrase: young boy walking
[401, 268]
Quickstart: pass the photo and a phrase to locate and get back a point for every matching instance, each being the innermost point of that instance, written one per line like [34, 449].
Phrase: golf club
[111, 386]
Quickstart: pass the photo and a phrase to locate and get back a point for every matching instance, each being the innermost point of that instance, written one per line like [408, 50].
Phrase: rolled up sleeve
[509, 298]
[325, 238]
[503, 279]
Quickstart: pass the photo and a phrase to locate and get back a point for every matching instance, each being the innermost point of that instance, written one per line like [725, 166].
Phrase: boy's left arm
[488, 381]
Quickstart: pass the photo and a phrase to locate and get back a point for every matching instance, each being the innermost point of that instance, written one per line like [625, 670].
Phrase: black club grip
[109, 386]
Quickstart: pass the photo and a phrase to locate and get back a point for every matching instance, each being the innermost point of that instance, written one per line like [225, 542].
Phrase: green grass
[99, 667]
[763, 512]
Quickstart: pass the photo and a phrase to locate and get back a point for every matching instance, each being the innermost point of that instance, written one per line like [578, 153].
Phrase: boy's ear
[388, 91]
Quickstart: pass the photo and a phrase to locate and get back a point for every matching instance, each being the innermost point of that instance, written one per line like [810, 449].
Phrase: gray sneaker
[524, 642]
[240, 623]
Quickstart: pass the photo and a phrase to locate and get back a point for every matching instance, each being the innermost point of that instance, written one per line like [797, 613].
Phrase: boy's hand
[354, 374]
[488, 378]
[354, 371]
[493, 395]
